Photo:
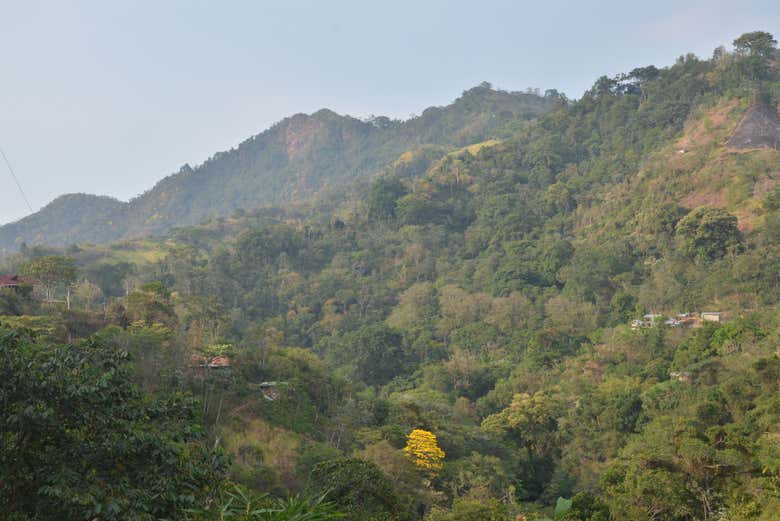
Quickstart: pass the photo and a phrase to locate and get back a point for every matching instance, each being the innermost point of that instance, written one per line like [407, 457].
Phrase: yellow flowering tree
[423, 449]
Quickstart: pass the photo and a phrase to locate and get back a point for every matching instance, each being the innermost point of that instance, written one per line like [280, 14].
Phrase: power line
[16, 180]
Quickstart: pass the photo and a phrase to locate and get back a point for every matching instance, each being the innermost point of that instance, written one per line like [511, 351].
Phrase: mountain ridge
[533, 303]
[291, 160]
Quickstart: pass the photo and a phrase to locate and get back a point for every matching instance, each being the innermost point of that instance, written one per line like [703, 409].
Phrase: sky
[110, 97]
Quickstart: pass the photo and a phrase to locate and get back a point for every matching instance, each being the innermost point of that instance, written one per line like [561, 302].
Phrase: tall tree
[756, 50]
[756, 43]
[53, 271]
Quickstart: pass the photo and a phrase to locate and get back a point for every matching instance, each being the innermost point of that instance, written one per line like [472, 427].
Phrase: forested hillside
[296, 158]
[573, 319]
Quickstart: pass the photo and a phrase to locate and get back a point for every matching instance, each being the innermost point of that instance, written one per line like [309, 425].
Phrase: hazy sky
[109, 97]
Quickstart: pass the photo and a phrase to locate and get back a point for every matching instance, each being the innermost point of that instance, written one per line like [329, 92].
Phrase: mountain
[488, 298]
[499, 329]
[68, 219]
[295, 158]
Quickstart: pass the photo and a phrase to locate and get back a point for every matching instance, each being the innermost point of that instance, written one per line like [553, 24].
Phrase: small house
[17, 281]
[19, 284]
[681, 376]
[649, 320]
[687, 319]
[219, 362]
[711, 316]
[206, 362]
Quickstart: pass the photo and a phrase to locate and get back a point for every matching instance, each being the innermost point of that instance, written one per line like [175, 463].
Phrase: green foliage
[383, 198]
[151, 304]
[376, 352]
[708, 233]
[482, 287]
[80, 441]
[757, 49]
[359, 489]
[15, 301]
[110, 276]
[52, 271]
[531, 419]
[586, 507]
[472, 510]
[240, 504]
[756, 43]
[294, 159]
[562, 507]
[42, 326]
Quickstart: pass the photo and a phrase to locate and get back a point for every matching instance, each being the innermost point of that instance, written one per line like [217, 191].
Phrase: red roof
[17, 280]
[210, 362]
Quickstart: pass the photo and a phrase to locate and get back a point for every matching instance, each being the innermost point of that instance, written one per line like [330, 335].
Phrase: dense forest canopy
[573, 318]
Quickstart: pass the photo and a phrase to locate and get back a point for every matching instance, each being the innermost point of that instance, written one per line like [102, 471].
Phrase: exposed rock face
[759, 128]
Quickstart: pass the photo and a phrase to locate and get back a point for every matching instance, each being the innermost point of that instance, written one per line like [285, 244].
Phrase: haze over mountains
[299, 156]
[513, 307]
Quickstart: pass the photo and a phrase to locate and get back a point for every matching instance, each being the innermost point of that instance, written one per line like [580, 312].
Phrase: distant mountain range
[294, 159]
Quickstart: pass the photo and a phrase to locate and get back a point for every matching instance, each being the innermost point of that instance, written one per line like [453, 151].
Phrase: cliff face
[759, 128]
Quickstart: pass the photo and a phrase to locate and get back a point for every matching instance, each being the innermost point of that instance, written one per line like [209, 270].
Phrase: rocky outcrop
[759, 128]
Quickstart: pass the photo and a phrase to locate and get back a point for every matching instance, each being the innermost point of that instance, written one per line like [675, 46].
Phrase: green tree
[479, 475]
[472, 510]
[79, 441]
[358, 488]
[756, 50]
[708, 233]
[383, 198]
[529, 419]
[111, 277]
[151, 304]
[756, 43]
[87, 293]
[377, 353]
[587, 507]
[52, 271]
[660, 219]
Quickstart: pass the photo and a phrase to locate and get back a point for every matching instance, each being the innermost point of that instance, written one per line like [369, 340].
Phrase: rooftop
[17, 280]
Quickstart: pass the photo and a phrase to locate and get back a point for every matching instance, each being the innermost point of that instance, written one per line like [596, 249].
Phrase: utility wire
[16, 180]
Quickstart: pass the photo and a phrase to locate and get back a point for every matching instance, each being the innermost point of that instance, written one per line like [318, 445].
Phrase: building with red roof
[15, 281]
